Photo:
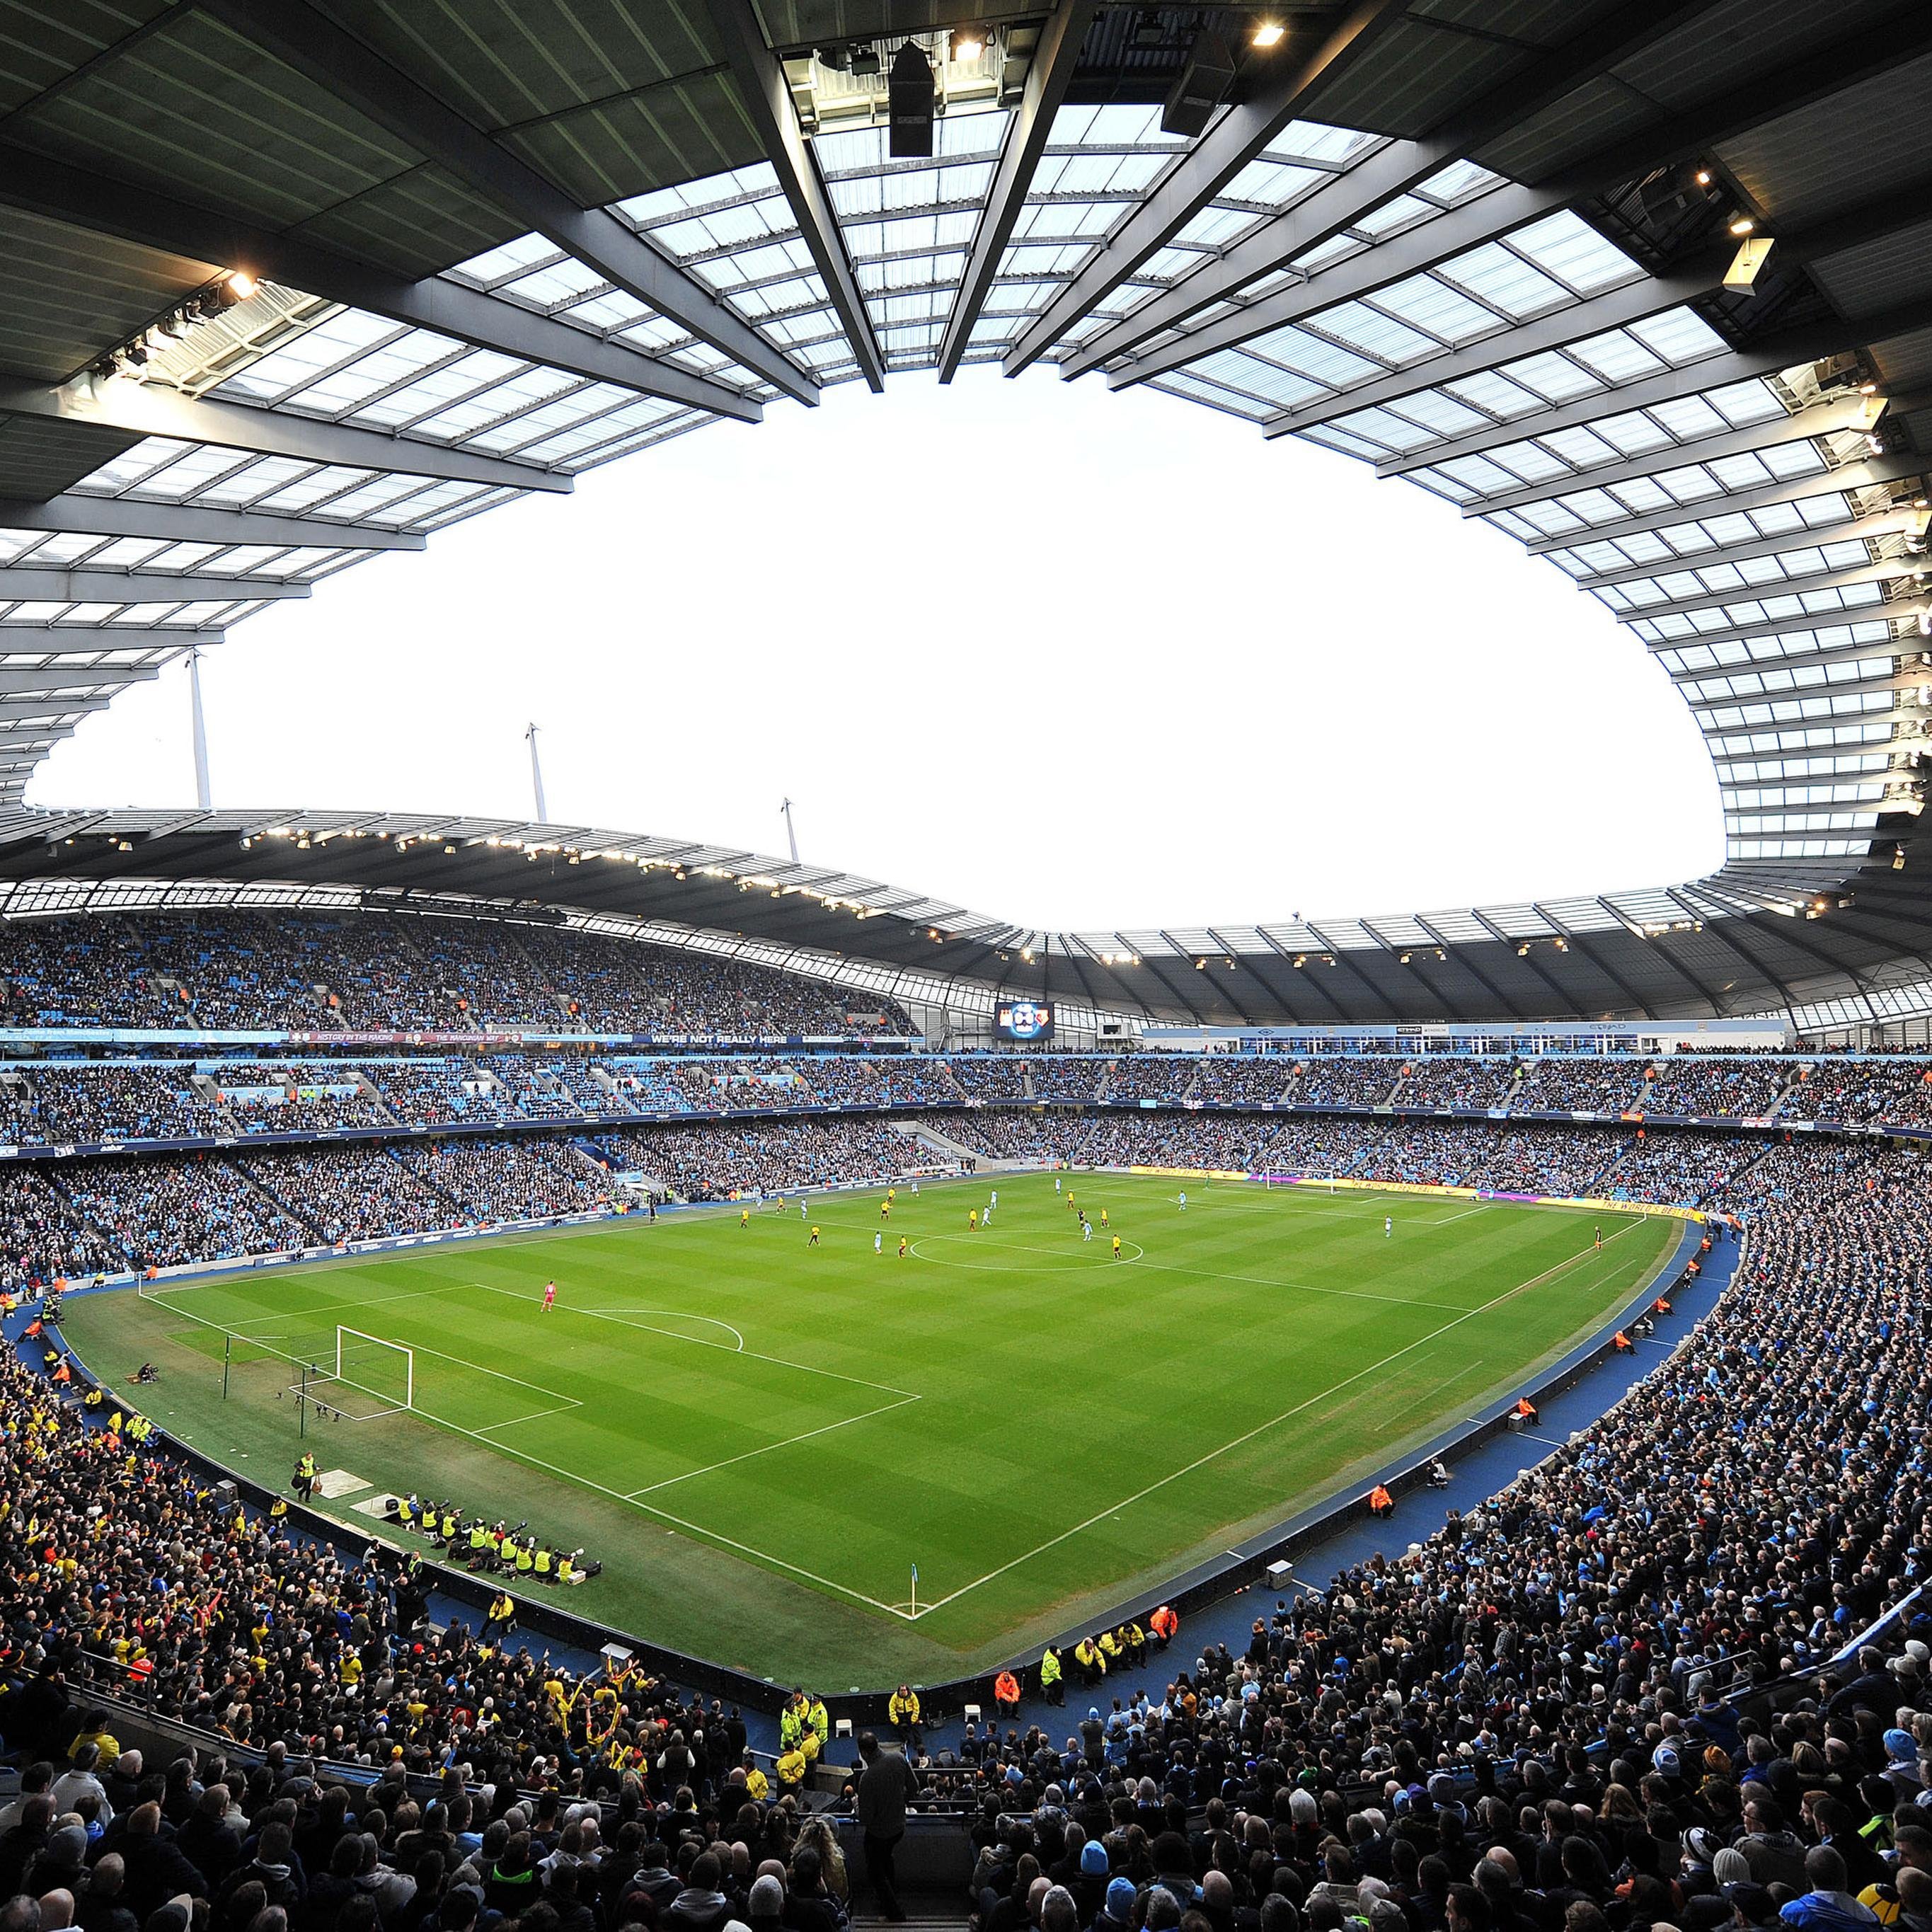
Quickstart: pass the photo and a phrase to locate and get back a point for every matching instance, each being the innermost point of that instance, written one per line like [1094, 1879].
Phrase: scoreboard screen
[1024, 1019]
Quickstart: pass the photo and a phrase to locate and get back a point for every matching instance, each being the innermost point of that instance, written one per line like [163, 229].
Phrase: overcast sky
[1077, 659]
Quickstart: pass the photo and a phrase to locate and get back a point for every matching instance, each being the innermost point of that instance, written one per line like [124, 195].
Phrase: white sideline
[765, 1449]
[1262, 1429]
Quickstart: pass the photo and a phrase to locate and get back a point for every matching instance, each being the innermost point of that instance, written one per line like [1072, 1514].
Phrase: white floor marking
[698, 1341]
[678, 1314]
[491, 1429]
[1262, 1428]
[746, 1455]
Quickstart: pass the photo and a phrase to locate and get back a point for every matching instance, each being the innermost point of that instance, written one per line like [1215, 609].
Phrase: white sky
[1074, 658]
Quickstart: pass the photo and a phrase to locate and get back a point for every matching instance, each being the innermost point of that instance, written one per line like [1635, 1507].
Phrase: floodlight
[1268, 34]
[241, 285]
[967, 43]
[865, 61]
[1742, 224]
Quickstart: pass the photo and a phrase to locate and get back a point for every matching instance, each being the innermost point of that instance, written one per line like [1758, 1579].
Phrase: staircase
[944, 1144]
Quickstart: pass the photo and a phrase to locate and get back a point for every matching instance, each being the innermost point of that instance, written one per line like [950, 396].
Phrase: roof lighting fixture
[1268, 34]
[1741, 225]
[1703, 177]
[967, 43]
[1753, 252]
[241, 285]
[865, 61]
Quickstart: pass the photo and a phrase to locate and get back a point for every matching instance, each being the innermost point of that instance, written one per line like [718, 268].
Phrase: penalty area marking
[1262, 1428]
[697, 1342]
[677, 1315]
[1009, 1248]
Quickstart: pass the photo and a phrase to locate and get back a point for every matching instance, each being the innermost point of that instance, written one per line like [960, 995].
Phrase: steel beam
[316, 46]
[1799, 626]
[1054, 57]
[1784, 350]
[1867, 473]
[1880, 524]
[760, 78]
[1615, 308]
[1819, 74]
[102, 206]
[73, 513]
[22, 680]
[1239, 137]
[148, 410]
[1883, 570]
[1825, 418]
[1426, 247]
[49, 709]
[87, 640]
[1391, 171]
[80, 584]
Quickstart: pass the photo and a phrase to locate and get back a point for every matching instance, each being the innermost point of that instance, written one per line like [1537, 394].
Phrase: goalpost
[386, 1370]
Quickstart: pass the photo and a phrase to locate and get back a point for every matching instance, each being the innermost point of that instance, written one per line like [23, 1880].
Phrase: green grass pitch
[760, 1439]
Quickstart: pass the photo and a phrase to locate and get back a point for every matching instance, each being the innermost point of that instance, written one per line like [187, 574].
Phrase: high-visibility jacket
[904, 1710]
[1110, 1648]
[791, 1727]
[527, 1557]
[1164, 1623]
[544, 1562]
[791, 1768]
[479, 1537]
[1049, 1669]
[1005, 1688]
[757, 1785]
[817, 1722]
[1379, 1498]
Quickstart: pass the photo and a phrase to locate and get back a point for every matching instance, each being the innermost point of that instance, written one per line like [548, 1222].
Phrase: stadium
[565, 1378]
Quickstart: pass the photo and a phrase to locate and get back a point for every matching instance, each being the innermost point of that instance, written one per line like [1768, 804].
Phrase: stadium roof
[280, 286]
[1728, 945]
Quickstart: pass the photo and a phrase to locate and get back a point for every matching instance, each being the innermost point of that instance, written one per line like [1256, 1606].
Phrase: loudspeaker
[1205, 77]
[909, 104]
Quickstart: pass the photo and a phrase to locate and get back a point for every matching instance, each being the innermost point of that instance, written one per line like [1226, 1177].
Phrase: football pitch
[759, 1438]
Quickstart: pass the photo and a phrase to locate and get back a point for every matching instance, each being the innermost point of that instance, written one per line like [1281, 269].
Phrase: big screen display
[1024, 1019]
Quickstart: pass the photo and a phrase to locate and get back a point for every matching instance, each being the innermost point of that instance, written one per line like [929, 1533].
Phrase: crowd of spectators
[351, 1193]
[1151, 1076]
[1711, 1086]
[421, 1093]
[526, 1178]
[313, 1100]
[1453, 1080]
[241, 969]
[991, 1077]
[1347, 1080]
[1066, 1076]
[1224, 1079]
[48, 1104]
[776, 1157]
[771, 1085]
[162, 1211]
[1584, 1083]
[1568, 1163]
[1856, 1092]
[43, 1239]
[88, 1100]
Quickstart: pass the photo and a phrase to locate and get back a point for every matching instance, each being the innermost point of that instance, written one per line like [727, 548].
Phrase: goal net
[386, 1370]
